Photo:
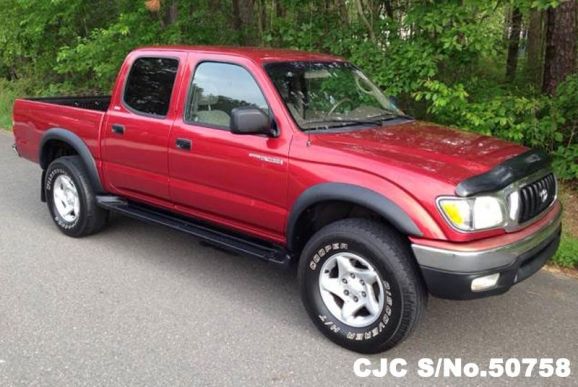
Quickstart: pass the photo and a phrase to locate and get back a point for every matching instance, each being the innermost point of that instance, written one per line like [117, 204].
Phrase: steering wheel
[335, 106]
[360, 87]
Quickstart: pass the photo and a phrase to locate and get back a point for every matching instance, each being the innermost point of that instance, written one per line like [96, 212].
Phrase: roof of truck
[256, 54]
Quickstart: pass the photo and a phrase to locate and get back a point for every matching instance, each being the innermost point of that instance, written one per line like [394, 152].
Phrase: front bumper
[449, 273]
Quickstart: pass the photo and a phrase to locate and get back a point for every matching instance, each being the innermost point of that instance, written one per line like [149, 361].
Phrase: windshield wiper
[348, 122]
[388, 116]
[373, 120]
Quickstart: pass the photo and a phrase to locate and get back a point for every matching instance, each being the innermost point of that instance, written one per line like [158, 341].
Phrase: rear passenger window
[150, 84]
[218, 88]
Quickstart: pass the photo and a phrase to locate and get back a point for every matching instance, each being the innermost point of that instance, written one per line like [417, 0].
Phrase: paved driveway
[140, 304]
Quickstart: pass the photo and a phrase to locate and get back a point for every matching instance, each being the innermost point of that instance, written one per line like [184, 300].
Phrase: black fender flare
[353, 194]
[79, 146]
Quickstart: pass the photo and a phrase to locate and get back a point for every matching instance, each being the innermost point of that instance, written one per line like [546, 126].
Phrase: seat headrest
[208, 99]
[208, 95]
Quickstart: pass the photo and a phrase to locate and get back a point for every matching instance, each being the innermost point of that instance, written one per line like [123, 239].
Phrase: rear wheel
[361, 286]
[71, 199]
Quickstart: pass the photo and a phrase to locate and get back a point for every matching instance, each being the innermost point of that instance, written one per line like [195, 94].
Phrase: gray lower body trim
[476, 261]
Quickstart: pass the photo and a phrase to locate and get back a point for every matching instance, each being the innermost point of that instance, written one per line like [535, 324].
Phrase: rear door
[236, 180]
[138, 124]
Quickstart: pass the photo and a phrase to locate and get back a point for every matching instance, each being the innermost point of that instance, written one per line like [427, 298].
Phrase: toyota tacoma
[298, 158]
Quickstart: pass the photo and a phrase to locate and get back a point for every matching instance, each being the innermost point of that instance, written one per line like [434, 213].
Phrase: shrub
[567, 254]
[9, 91]
[536, 121]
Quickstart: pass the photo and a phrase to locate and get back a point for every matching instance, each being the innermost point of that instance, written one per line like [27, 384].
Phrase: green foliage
[566, 161]
[7, 98]
[567, 254]
[9, 92]
[545, 4]
[444, 60]
[94, 60]
[535, 120]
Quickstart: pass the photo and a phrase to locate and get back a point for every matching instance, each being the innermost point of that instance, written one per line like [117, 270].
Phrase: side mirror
[251, 120]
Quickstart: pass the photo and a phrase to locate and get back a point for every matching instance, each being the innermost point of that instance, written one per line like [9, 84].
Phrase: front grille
[536, 197]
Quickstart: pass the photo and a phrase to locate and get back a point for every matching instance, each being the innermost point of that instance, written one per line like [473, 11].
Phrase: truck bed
[82, 116]
[99, 103]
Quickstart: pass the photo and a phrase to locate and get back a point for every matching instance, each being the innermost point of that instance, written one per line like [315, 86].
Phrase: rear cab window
[216, 89]
[149, 86]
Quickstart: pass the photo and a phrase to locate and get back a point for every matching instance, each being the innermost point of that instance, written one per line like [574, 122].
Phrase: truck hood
[425, 148]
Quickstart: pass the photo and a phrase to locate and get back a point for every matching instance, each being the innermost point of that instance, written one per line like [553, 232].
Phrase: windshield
[323, 95]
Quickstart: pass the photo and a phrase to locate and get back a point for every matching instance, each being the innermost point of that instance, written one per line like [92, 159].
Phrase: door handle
[118, 129]
[184, 144]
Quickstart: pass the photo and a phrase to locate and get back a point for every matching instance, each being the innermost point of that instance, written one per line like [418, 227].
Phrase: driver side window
[218, 88]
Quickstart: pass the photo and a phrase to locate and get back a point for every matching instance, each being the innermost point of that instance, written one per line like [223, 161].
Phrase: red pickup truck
[291, 156]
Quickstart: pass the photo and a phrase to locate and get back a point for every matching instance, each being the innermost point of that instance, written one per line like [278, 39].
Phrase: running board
[218, 237]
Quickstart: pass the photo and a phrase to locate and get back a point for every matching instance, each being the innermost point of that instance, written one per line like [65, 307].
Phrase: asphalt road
[142, 305]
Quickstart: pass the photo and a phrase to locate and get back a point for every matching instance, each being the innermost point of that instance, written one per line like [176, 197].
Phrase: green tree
[444, 60]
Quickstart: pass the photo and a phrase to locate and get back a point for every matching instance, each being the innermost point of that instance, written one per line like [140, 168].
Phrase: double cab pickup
[298, 158]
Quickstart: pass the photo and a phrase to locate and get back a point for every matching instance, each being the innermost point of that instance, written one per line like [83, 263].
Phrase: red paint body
[411, 163]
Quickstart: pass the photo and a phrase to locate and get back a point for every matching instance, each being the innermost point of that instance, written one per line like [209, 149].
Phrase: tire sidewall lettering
[322, 252]
[48, 187]
[385, 324]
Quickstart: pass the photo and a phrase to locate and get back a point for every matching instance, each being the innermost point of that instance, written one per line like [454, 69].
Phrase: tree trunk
[560, 45]
[243, 14]
[514, 44]
[279, 10]
[535, 57]
[341, 7]
[363, 18]
[507, 21]
[262, 19]
[214, 5]
[237, 19]
[388, 8]
[172, 13]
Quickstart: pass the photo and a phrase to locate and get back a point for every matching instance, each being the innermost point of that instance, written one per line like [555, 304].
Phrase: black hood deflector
[504, 174]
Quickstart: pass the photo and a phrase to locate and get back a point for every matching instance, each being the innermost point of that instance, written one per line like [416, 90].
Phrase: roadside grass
[5, 112]
[8, 93]
[567, 255]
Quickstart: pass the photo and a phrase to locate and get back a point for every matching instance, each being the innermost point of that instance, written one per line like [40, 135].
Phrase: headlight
[472, 214]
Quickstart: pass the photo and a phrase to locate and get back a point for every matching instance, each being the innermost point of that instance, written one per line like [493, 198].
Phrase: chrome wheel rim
[351, 289]
[66, 199]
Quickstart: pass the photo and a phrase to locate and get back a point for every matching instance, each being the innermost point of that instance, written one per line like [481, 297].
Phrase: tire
[349, 250]
[66, 176]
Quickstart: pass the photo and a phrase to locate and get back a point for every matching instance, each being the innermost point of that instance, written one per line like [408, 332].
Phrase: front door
[236, 180]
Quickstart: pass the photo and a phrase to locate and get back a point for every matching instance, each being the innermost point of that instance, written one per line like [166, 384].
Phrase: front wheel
[361, 286]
